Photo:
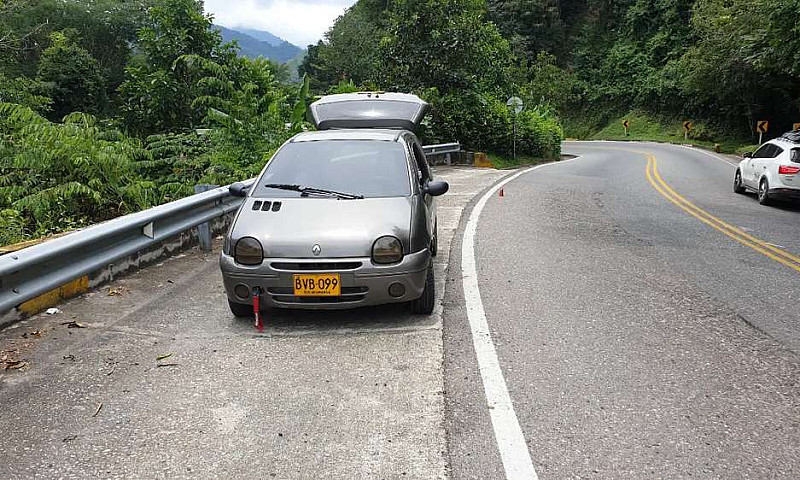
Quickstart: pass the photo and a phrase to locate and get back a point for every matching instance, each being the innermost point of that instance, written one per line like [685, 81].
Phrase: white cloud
[300, 22]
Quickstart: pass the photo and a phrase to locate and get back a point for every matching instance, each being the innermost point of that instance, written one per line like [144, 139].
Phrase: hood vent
[266, 206]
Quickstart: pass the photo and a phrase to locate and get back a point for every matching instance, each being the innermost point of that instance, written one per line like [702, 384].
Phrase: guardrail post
[204, 229]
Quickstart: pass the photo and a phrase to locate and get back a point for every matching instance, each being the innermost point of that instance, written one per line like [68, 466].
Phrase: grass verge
[503, 162]
[647, 127]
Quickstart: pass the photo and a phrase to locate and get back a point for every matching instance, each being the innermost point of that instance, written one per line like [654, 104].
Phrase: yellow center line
[775, 253]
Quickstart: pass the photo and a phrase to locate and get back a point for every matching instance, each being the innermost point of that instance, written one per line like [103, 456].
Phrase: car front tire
[763, 192]
[240, 309]
[737, 183]
[425, 303]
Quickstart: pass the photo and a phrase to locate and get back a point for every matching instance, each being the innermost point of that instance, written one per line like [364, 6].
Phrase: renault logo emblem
[316, 250]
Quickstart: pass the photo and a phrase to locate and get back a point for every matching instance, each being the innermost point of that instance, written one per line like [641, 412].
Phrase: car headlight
[248, 251]
[387, 250]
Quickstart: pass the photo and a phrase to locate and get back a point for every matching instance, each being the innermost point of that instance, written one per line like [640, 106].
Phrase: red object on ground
[257, 311]
[502, 193]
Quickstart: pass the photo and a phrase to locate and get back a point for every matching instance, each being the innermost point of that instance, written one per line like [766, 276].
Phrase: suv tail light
[787, 170]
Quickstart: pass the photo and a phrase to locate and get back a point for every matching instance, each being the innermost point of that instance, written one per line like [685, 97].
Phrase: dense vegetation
[109, 106]
[449, 53]
[722, 63]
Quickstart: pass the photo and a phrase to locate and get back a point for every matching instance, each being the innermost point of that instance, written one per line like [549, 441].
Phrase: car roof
[384, 135]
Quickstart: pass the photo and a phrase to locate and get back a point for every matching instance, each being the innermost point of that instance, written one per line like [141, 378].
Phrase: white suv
[772, 171]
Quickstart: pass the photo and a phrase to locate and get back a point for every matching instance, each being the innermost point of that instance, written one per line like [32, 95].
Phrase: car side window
[776, 150]
[422, 163]
[763, 152]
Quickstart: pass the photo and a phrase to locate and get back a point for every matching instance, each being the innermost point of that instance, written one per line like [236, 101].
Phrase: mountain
[262, 35]
[249, 46]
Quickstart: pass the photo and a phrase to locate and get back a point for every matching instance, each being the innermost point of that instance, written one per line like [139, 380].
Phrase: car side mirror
[747, 155]
[238, 189]
[436, 188]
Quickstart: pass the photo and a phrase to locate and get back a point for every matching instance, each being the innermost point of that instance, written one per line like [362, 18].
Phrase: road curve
[643, 325]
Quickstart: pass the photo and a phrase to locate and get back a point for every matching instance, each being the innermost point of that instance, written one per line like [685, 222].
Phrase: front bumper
[363, 283]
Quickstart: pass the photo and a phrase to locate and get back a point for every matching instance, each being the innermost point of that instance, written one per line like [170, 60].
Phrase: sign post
[626, 124]
[515, 105]
[763, 127]
[687, 127]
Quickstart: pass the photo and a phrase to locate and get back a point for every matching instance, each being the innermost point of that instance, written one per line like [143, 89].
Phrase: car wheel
[763, 192]
[737, 183]
[424, 304]
[240, 309]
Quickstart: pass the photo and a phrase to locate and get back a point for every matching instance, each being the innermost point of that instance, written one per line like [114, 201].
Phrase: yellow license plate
[318, 285]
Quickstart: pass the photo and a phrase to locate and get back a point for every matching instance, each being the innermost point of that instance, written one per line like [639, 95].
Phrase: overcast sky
[301, 22]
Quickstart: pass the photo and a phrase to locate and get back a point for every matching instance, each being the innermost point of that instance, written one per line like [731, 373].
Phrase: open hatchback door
[369, 110]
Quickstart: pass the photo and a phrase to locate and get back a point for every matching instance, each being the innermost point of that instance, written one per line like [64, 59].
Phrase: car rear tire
[424, 304]
[763, 192]
[737, 183]
[240, 309]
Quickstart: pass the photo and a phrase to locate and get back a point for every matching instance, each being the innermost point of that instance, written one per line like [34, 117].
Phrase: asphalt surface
[353, 394]
[635, 340]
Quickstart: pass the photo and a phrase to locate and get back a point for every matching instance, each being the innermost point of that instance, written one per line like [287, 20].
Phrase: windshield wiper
[305, 191]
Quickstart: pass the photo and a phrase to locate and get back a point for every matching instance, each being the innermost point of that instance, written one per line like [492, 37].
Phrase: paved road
[319, 395]
[636, 340]
[642, 318]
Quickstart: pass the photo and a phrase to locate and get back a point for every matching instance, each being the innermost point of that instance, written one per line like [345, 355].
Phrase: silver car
[341, 217]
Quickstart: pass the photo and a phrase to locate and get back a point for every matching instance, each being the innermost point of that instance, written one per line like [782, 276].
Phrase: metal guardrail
[33, 271]
[442, 149]
[25, 274]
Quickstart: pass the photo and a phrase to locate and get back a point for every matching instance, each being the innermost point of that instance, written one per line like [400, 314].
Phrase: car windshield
[369, 168]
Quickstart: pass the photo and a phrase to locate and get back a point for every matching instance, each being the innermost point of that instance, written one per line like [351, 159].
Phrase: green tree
[444, 44]
[531, 26]
[159, 91]
[73, 76]
[59, 176]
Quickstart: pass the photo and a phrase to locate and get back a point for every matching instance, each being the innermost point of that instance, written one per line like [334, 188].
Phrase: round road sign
[515, 104]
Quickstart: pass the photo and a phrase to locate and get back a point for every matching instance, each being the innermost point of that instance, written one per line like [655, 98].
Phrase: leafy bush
[484, 123]
[61, 176]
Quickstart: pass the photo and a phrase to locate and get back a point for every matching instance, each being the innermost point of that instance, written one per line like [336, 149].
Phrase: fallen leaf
[162, 357]
[15, 364]
[36, 333]
[116, 291]
[52, 311]
[167, 365]
[69, 438]
[69, 357]
[99, 407]
[74, 325]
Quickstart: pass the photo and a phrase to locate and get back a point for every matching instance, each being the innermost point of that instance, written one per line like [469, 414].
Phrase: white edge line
[508, 434]
[694, 149]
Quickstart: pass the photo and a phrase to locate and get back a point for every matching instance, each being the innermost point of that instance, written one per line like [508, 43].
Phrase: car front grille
[313, 300]
[348, 295]
[312, 266]
[290, 291]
